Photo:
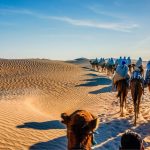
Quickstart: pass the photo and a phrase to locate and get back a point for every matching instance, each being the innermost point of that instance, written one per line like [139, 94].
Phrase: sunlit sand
[34, 92]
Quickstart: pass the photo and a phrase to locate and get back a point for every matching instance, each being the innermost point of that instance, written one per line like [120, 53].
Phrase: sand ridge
[34, 92]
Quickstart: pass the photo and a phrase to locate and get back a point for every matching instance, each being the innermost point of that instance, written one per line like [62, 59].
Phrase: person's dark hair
[131, 141]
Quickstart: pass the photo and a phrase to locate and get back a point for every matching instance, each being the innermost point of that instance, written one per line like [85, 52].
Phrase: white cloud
[94, 24]
[99, 10]
[76, 22]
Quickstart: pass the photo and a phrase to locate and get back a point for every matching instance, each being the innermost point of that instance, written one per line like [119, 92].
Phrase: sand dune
[34, 92]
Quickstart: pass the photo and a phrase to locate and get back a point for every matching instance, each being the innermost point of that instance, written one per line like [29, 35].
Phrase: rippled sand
[33, 93]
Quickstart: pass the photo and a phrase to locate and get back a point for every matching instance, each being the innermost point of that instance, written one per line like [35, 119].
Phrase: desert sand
[34, 92]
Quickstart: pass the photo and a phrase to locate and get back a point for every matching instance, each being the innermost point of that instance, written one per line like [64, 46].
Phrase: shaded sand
[34, 92]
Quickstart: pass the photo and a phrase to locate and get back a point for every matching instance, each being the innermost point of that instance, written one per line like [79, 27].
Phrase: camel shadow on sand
[55, 144]
[54, 124]
[100, 80]
[144, 130]
[109, 134]
[102, 90]
[108, 138]
[89, 69]
[92, 75]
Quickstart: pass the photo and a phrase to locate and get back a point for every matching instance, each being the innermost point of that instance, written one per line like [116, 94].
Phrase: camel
[136, 92]
[94, 65]
[80, 127]
[130, 69]
[110, 69]
[122, 88]
[102, 66]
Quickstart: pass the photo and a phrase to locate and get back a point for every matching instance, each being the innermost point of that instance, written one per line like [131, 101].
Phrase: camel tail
[124, 88]
[119, 94]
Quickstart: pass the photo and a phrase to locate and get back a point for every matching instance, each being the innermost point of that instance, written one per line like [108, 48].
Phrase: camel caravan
[126, 76]
[81, 125]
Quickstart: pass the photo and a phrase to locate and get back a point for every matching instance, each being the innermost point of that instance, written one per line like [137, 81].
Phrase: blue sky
[68, 29]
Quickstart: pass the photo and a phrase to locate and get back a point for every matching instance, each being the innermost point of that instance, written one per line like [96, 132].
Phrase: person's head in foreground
[131, 141]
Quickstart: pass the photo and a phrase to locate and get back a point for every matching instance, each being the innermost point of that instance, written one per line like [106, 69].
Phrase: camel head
[80, 127]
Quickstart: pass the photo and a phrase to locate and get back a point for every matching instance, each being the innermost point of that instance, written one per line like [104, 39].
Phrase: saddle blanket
[136, 75]
[118, 77]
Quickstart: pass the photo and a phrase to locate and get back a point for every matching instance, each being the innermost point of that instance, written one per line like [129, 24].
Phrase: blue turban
[123, 62]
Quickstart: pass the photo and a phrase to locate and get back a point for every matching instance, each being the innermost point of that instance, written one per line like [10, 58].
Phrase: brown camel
[136, 92]
[122, 88]
[110, 69]
[103, 67]
[80, 127]
[130, 69]
[94, 65]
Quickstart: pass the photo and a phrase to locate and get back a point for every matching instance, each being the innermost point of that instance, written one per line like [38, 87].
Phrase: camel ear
[93, 125]
[65, 118]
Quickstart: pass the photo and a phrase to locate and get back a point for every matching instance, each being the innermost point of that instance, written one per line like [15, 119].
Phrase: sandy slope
[34, 92]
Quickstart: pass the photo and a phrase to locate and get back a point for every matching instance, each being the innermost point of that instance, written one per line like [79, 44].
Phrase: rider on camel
[121, 73]
[138, 72]
[147, 76]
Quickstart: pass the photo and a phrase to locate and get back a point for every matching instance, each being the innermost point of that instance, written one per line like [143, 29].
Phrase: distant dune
[34, 92]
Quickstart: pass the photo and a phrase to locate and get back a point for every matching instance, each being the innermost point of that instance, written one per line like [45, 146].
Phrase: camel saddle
[136, 75]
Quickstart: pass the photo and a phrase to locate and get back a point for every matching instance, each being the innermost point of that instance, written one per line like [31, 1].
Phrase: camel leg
[92, 66]
[125, 102]
[121, 103]
[97, 68]
[125, 99]
[138, 105]
[135, 114]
